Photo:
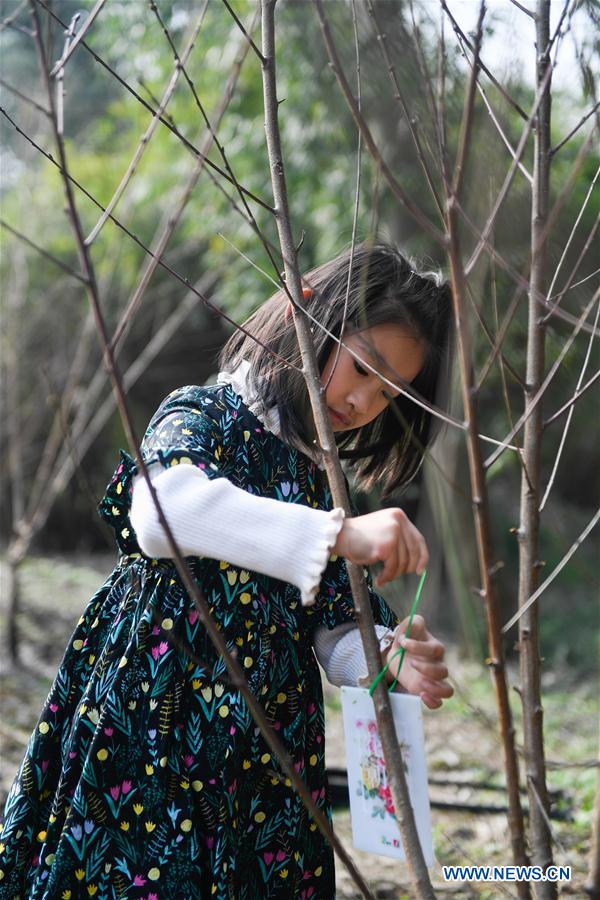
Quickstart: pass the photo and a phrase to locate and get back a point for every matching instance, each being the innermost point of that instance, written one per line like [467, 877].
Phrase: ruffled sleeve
[187, 428]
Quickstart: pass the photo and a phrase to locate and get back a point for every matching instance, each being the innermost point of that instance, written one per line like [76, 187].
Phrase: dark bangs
[383, 289]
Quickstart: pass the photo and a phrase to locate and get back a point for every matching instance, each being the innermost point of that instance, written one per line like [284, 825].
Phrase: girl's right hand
[386, 536]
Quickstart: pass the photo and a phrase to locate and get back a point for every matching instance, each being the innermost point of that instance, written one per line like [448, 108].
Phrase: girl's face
[355, 395]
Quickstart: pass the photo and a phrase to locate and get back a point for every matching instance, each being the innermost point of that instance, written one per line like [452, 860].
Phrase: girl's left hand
[423, 670]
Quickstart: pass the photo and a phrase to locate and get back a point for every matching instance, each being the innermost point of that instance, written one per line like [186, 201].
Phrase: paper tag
[374, 825]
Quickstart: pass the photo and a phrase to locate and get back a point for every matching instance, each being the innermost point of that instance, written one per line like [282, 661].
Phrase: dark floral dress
[145, 776]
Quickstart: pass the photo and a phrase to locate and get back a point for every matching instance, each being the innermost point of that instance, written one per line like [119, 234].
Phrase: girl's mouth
[339, 418]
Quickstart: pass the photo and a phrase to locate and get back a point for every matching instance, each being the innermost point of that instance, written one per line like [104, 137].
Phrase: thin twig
[399, 96]
[174, 215]
[572, 235]
[569, 418]
[535, 399]
[574, 399]
[398, 191]
[493, 341]
[574, 130]
[163, 119]
[462, 36]
[466, 123]
[147, 135]
[69, 50]
[524, 9]
[545, 815]
[338, 346]
[500, 131]
[501, 331]
[517, 277]
[7, 22]
[540, 93]
[568, 285]
[232, 177]
[243, 30]
[561, 19]
[24, 97]
[556, 571]
[54, 259]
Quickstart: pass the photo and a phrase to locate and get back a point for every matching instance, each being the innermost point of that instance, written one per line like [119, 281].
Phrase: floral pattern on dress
[145, 776]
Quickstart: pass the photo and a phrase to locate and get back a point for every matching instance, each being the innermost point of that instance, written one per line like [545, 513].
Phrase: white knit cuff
[340, 653]
[320, 551]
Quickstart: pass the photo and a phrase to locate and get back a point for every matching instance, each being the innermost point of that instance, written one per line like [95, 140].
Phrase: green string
[402, 650]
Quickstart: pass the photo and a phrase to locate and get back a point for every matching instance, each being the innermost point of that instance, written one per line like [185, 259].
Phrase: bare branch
[573, 399]
[556, 571]
[502, 134]
[487, 566]
[243, 30]
[529, 517]
[338, 347]
[569, 417]
[163, 119]
[561, 19]
[70, 49]
[7, 22]
[574, 130]
[524, 9]
[24, 97]
[360, 123]
[545, 815]
[467, 116]
[517, 277]
[534, 400]
[540, 93]
[570, 238]
[496, 348]
[462, 37]
[254, 224]
[422, 63]
[501, 332]
[173, 216]
[399, 96]
[54, 259]
[147, 136]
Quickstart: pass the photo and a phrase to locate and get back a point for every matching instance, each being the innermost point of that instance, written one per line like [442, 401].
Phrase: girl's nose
[360, 400]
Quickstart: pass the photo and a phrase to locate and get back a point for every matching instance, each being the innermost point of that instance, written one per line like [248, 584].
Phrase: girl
[146, 776]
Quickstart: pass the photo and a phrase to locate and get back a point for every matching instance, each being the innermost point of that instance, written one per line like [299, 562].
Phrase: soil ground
[463, 750]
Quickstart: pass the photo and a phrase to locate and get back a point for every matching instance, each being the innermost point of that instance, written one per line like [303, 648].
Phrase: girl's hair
[384, 288]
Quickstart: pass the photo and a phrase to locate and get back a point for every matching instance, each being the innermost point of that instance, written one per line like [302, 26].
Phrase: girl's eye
[360, 369]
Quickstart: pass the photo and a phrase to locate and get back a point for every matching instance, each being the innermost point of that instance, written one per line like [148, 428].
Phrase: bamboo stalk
[528, 532]
[392, 754]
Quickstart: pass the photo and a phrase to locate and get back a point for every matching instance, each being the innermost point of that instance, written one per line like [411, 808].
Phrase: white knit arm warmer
[213, 518]
[340, 652]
